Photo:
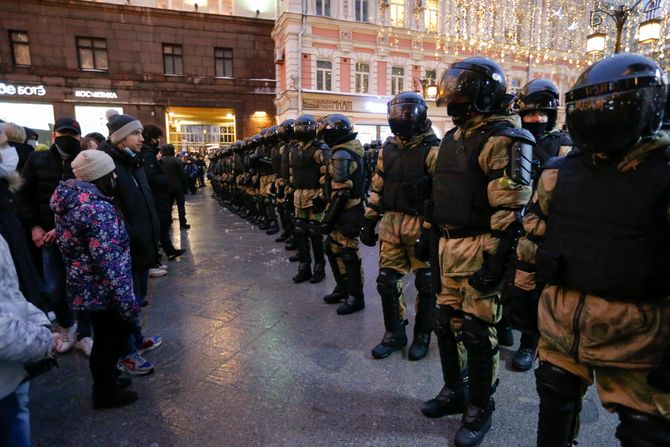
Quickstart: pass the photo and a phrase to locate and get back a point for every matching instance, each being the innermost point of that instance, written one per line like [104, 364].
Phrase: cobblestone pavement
[250, 359]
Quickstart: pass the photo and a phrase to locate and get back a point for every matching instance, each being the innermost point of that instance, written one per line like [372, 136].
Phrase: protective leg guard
[395, 337]
[316, 239]
[284, 223]
[301, 242]
[271, 216]
[476, 422]
[423, 322]
[263, 213]
[504, 330]
[475, 334]
[354, 300]
[638, 429]
[454, 394]
[560, 395]
[340, 291]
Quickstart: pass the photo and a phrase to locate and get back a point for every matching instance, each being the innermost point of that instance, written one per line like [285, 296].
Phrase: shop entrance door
[195, 130]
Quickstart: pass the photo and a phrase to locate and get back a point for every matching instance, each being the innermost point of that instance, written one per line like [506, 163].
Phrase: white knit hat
[92, 165]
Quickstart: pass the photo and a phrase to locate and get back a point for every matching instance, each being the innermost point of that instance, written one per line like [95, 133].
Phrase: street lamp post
[619, 16]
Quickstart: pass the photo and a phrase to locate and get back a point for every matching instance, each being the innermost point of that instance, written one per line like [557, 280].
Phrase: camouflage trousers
[458, 294]
[336, 243]
[308, 214]
[266, 182]
[397, 233]
[614, 344]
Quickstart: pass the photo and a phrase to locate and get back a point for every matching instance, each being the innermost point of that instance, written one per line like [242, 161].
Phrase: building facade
[206, 78]
[352, 56]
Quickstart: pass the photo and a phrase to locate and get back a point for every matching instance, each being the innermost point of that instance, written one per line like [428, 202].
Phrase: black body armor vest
[275, 160]
[306, 172]
[548, 147]
[460, 196]
[285, 168]
[607, 233]
[406, 181]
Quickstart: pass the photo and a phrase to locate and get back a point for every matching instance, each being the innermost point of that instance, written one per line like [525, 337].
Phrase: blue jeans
[54, 284]
[15, 418]
[140, 288]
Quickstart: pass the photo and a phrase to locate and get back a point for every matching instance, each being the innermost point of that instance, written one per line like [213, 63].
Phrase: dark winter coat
[41, 174]
[137, 205]
[23, 150]
[158, 181]
[174, 169]
[11, 230]
[95, 247]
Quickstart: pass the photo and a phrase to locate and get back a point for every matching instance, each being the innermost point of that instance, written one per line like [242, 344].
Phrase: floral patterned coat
[95, 247]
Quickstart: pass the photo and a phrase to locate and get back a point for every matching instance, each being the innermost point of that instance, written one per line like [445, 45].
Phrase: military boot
[273, 228]
[354, 300]
[453, 396]
[419, 347]
[423, 322]
[304, 273]
[340, 291]
[525, 357]
[476, 422]
[319, 272]
[504, 330]
[395, 337]
[316, 240]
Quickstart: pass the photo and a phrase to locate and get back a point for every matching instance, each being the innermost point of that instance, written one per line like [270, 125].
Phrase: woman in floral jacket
[95, 246]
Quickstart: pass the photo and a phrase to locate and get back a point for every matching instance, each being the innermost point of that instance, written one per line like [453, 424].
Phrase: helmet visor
[458, 86]
[404, 117]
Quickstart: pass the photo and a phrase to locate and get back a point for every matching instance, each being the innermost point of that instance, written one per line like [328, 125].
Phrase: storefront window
[197, 130]
[38, 117]
[93, 119]
[20, 48]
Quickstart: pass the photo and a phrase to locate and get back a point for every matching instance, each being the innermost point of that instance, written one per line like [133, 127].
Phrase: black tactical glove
[660, 377]
[492, 273]
[333, 211]
[368, 235]
[422, 245]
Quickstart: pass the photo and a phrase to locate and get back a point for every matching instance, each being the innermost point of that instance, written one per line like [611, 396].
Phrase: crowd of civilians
[84, 223]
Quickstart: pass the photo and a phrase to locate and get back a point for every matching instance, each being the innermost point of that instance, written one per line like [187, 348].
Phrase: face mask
[537, 129]
[9, 158]
[68, 144]
[32, 143]
[459, 113]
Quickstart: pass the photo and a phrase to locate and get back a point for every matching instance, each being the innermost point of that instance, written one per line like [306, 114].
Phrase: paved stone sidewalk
[250, 359]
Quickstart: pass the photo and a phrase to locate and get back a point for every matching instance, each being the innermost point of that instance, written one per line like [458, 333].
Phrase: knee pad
[349, 255]
[557, 387]
[313, 229]
[475, 332]
[442, 320]
[300, 227]
[328, 245]
[267, 201]
[424, 282]
[387, 283]
[638, 429]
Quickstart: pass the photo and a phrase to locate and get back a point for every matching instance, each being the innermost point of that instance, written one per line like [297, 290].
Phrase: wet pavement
[250, 359]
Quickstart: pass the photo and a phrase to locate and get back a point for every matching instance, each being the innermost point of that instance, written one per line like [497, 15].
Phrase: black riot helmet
[615, 102]
[407, 113]
[272, 137]
[263, 136]
[474, 85]
[304, 128]
[335, 129]
[539, 95]
[236, 147]
[256, 140]
[285, 130]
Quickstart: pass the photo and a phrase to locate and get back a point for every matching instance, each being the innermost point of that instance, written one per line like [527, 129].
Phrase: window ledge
[94, 70]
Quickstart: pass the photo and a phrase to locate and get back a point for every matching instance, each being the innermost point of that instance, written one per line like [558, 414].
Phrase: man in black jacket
[159, 184]
[137, 204]
[42, 172]
[177, 182]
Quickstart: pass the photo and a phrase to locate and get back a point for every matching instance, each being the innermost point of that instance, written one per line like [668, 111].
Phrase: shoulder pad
[516, 133]
[556, 162]
[565, 139]
[342, 154]
[432, 141]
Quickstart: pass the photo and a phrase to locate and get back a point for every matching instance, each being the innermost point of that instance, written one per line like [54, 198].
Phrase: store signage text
[327, 104]
[90, 94]
[22, 90]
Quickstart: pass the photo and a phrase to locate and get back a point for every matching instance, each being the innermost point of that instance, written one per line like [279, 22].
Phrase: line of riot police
[588, 287]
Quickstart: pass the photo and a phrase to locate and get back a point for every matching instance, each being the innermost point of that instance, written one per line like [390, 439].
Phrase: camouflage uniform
[617, 342]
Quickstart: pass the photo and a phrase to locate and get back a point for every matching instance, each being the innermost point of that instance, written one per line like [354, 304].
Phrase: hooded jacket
[95, 246]
[24, 329]
[137, 205]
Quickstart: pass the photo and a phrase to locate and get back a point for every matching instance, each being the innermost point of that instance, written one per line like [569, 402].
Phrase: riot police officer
[479, 187]
[307, 169]
[400, 188]
[343, 217]
[537, 104]
[600, 218]
[284, 192]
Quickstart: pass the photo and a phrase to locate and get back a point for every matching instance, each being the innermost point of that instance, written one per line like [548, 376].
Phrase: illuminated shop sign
[22, 90]
[96, 95]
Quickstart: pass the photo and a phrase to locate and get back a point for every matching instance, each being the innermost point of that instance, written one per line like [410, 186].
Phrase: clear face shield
[405, 117]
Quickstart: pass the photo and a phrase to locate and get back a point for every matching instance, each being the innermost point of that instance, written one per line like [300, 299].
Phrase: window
[398, 13]
[362, 78]
[515, 86]
[172, 60]
[323, 8]
[20, 47]
[431, 75]
[431, 16]
[92, 53]
[397, 75]
[324, 75]
[362, 11]
[223, 62]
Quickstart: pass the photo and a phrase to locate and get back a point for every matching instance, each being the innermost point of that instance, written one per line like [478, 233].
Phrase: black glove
[660, 377]
[368, 235]
[492, 273]
[318, 204]
[422, 246]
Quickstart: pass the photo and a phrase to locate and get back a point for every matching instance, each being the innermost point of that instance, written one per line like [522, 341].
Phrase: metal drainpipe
[303, 19]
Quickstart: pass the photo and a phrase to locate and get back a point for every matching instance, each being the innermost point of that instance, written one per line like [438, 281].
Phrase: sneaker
[135, 365]
[162, 267]
[85, 345]
[149, 344]
[67, 336]
[157, 272]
